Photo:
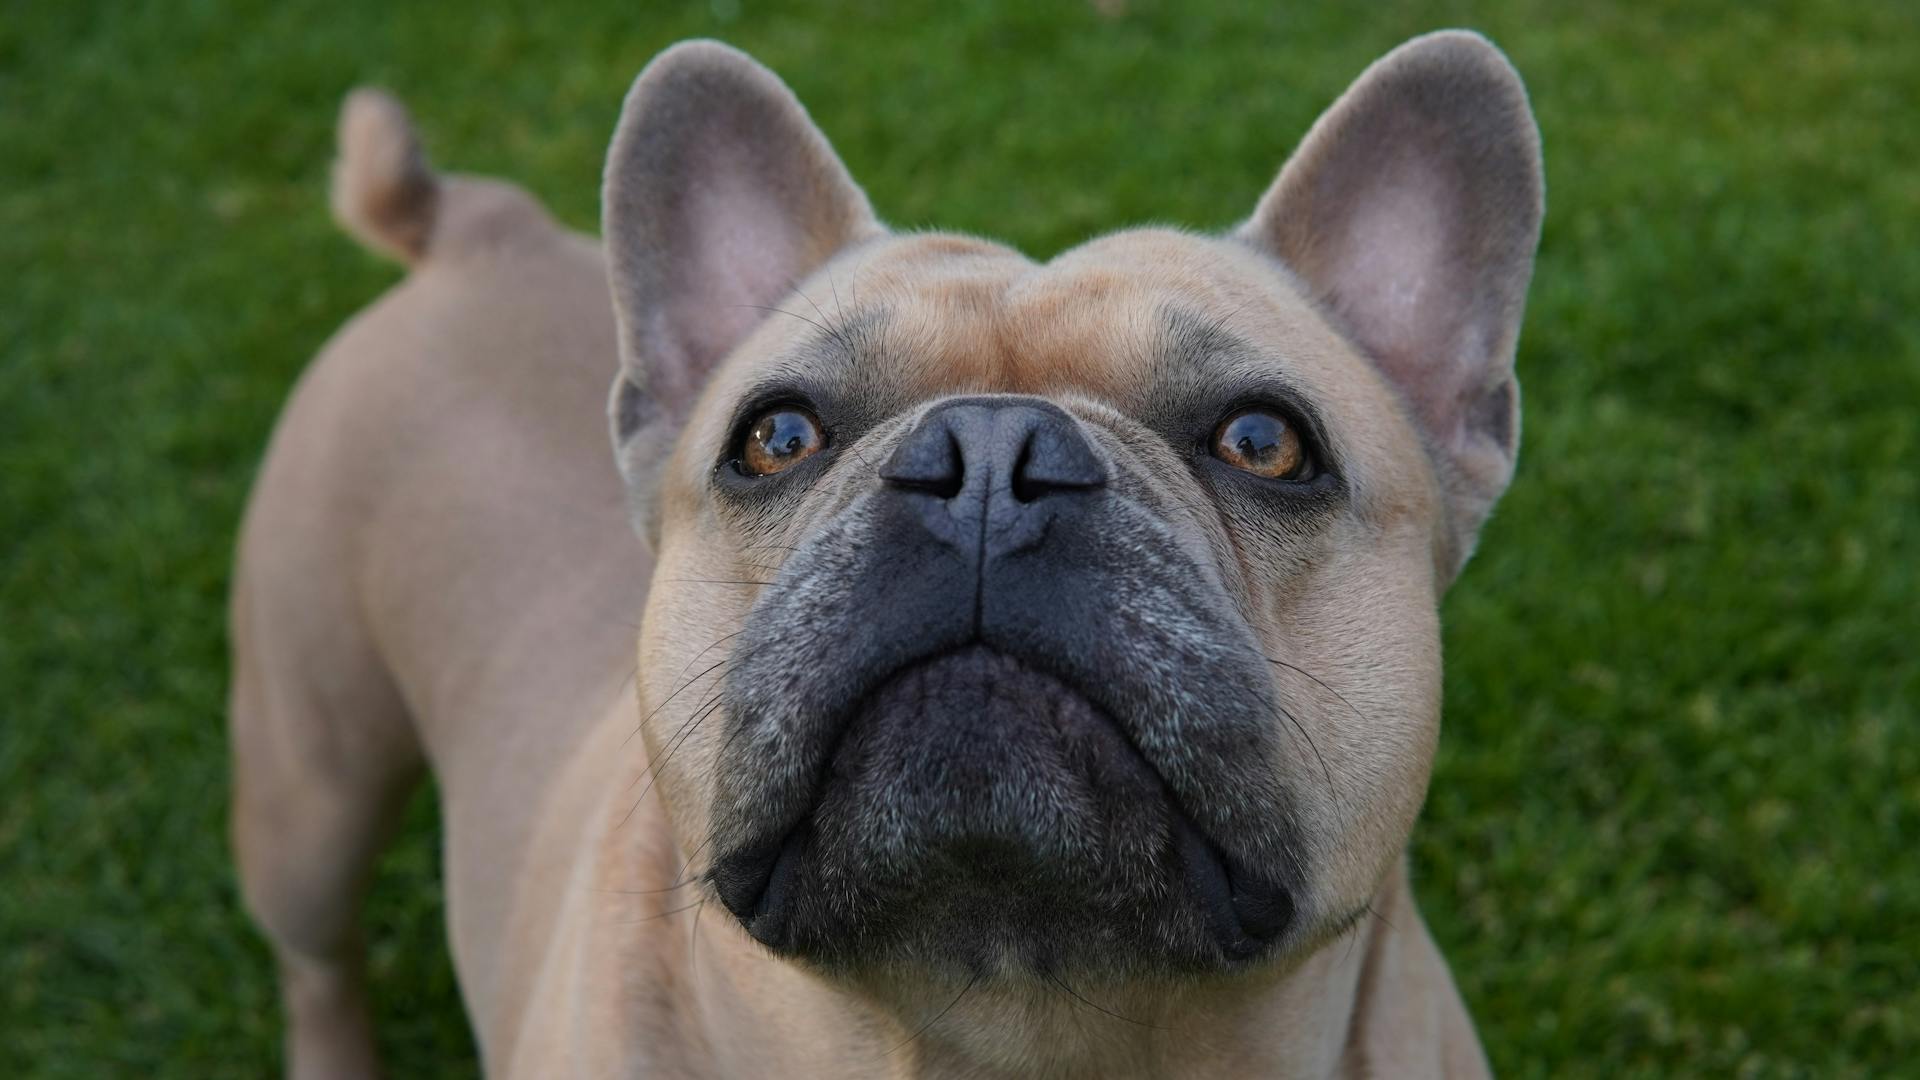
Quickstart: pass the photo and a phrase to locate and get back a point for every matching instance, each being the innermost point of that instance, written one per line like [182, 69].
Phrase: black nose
[981, 472]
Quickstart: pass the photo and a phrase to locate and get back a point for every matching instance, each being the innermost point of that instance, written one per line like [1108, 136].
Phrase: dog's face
[1069, 616]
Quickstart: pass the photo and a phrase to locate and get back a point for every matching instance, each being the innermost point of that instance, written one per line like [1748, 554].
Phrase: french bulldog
[1038, 667]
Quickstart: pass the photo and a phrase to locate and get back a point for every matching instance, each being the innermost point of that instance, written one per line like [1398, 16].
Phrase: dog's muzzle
[1021, 725]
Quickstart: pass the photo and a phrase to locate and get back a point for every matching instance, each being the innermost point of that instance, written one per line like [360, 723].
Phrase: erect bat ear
[720, 196]
[1412, 211]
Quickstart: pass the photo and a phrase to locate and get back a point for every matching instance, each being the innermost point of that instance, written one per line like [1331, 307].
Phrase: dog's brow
[1201, 350]
[1203, 367]
[837, 342]
[1199, 356]
[838, 364]
[1193, 339]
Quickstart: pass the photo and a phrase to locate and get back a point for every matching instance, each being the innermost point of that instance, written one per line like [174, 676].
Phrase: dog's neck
[1296, 1023]
[643, 978]
[1322, 1017]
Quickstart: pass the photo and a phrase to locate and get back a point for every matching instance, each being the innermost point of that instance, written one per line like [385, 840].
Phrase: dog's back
[435, 556]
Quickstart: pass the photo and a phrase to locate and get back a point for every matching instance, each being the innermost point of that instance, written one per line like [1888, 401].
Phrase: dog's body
[437, 566]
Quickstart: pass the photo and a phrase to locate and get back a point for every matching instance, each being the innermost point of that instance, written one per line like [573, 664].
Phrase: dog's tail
[389, 197]
[384, 191]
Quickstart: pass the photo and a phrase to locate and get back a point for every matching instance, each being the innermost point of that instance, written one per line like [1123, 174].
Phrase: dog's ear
[1412, 211]
[720, 195]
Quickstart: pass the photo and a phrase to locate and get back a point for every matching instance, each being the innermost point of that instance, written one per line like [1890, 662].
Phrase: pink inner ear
[743, 248]
[1412, 211]
[720, 196]
[1393, 274]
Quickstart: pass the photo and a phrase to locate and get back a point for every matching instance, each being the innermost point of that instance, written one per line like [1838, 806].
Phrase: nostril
[1009, 450]
[1025, 489]
[946, 487]
[1055, 458]
[936, 466]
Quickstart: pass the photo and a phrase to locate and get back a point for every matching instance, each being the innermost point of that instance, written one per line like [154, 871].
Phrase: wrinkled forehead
[1146, 321]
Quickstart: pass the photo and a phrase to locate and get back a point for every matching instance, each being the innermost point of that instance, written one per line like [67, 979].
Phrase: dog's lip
[1244, 912]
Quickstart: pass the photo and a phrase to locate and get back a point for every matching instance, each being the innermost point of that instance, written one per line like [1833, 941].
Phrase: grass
[1673, 822]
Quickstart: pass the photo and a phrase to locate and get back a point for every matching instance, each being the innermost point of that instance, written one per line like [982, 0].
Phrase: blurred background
[1673, 825]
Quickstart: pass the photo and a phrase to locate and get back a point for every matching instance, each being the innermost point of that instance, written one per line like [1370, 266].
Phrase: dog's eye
[1264, 443]
[780, 439]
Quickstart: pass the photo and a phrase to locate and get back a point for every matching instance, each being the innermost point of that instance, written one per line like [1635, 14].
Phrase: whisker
[1057, 981]
[1375, 912]
[695, 658]
[644, 892]
[693, 949]
[1351, 928]
[839, 309]
[660, 914]
[937, 1017]
[1078, 1024]
[770, 545]
[700, 712]
[829, 331]
[679, 739]
[855, 451]
[1322, 684]
[669, 698]
[682, 877]
[1220, 324]
[1305, 734]
[846, 345]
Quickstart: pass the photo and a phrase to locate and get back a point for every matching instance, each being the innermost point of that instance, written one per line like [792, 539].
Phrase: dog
[1038, 666]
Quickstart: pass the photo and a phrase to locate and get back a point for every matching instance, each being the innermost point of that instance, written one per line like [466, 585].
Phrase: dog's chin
[980, 815]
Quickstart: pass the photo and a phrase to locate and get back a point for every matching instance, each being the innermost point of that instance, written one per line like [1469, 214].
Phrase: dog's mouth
[978, 810]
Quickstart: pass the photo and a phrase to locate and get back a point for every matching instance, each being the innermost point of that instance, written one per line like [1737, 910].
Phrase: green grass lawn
[1674, 824]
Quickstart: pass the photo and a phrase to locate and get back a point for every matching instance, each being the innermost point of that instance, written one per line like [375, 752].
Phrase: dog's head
[1078, 615]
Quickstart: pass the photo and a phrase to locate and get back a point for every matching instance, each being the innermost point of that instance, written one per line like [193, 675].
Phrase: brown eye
[780, 439]
[1264, 443]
